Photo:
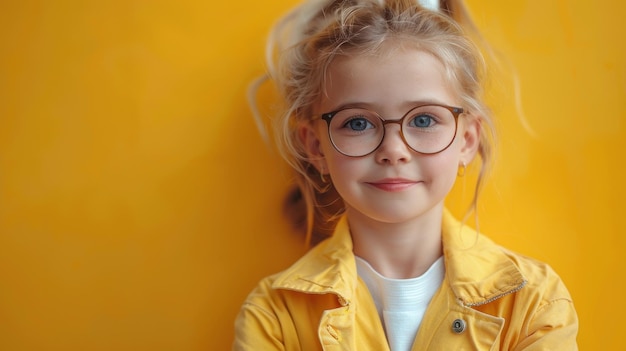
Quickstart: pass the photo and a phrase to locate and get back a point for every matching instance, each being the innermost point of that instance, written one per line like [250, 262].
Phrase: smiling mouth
[393, 185]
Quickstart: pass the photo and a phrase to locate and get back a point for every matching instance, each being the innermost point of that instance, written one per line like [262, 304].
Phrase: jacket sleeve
[257, 328]
[553, 327]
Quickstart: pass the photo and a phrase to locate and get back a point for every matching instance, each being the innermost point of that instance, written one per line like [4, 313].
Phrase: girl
[383, 112]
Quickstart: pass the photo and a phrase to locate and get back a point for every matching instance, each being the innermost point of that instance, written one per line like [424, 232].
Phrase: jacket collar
[477, 270]
[329, 267]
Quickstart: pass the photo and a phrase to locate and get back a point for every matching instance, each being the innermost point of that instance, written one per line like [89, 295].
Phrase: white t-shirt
[401, 303]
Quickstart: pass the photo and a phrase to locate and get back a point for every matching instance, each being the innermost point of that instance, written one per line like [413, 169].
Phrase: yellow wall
[138, 206]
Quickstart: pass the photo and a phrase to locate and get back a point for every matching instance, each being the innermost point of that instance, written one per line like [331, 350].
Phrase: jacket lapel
[448, 325]
[478, 271]
[327, 268]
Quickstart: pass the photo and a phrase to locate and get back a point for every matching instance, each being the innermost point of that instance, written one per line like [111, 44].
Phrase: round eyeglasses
[426, 129]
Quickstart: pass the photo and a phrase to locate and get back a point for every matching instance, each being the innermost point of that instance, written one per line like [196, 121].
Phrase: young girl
[383, 113]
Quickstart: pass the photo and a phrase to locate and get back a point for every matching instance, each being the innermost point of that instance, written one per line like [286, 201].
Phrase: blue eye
[358, 124]
[422, 121]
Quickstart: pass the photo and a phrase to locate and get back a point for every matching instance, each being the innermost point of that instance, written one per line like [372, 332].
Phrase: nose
[393, 149]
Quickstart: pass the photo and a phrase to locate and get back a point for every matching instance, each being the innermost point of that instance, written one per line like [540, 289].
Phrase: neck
[398, 250]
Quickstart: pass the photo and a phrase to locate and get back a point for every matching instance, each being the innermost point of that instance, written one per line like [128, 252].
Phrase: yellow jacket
[491, 299]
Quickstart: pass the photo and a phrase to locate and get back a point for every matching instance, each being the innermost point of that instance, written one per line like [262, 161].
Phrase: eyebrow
[375, 106]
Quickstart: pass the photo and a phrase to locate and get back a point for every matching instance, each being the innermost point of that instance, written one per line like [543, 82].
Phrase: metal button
[458, 326]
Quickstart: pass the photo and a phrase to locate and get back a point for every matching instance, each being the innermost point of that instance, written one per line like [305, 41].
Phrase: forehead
[398, 77]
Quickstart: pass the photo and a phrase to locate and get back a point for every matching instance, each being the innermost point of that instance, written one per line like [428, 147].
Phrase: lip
[393, 184]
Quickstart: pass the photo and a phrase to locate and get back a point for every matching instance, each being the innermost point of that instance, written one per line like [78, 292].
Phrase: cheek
[336, 162]
[443, 166]
[340, 165]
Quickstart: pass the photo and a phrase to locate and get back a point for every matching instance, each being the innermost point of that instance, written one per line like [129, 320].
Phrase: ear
[310, 139]
[470, 138]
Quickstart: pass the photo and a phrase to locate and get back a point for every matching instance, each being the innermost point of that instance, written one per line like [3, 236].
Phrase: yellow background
[138, 206]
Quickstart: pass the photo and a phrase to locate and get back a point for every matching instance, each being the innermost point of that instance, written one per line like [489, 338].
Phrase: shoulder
[259, 324]
[481, 270]
[539, 311]
[286, 307]
[542, 312]
[540, 279]
[545, 299]
[540, 276]
[327, 268]
[262, 306]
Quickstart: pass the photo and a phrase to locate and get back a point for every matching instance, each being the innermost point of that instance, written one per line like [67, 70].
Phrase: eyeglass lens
[426, 129]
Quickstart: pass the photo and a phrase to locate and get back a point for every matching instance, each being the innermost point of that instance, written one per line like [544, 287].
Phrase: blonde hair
[305, 42]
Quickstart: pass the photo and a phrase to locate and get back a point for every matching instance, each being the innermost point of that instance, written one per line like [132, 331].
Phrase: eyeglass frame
[456, 112]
